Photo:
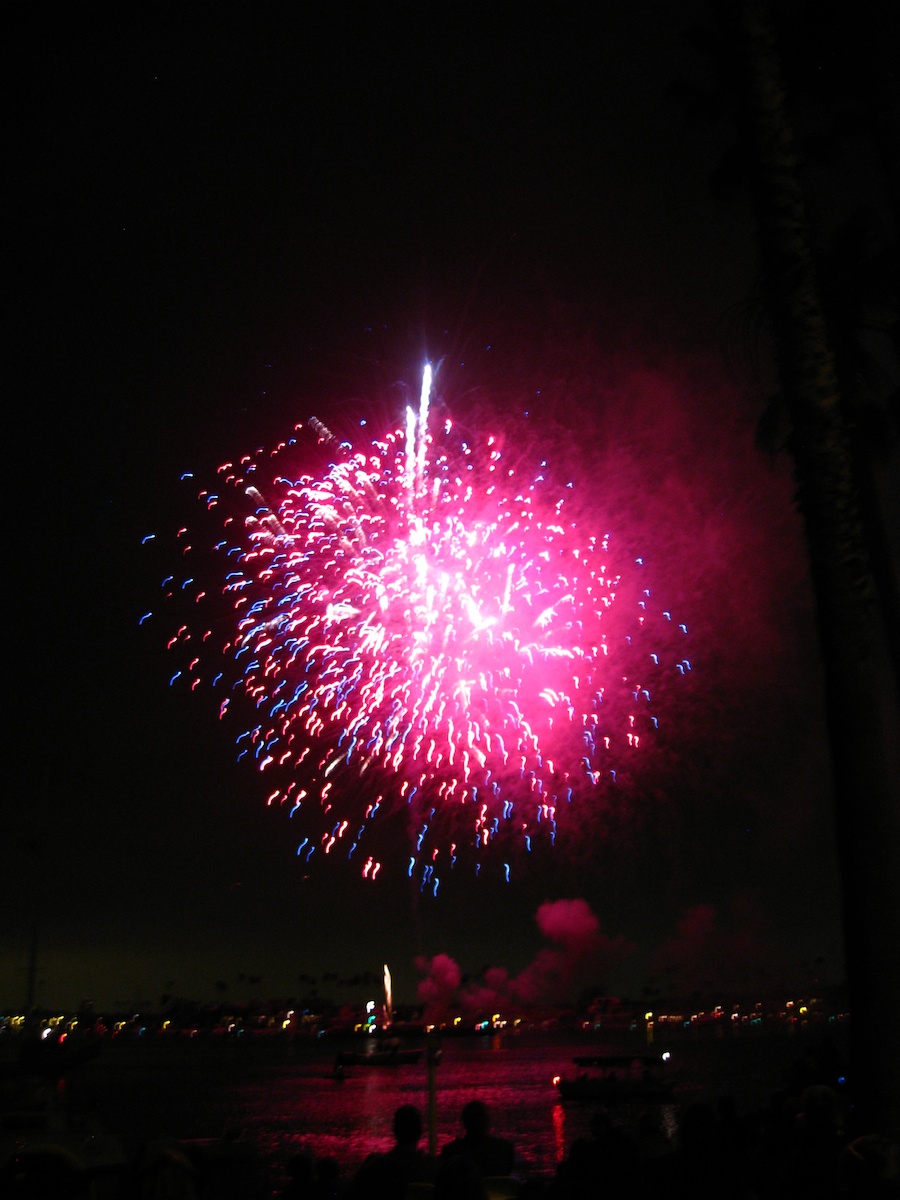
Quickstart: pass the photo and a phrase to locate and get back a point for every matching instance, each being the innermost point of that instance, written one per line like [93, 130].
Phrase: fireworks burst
[423, 628]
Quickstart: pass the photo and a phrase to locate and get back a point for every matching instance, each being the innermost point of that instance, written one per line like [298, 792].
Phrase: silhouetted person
[652, 1141]
[327, 1183]
[301, 1176]
[605, 1164]
[406, 1153]
[44, 1174]
[578, 1174]
[312, 1179]
[492, 1155]
[387, 1176]
[379, 1178]
[811, 1164]
[869, 1169]
[163, 1170]
[701, 1167]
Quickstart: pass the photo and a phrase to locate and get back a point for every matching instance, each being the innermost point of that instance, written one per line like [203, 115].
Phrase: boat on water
[385, 1053]
[618, 1079]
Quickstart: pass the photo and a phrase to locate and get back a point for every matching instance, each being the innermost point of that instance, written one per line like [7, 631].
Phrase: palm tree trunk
[861, 692]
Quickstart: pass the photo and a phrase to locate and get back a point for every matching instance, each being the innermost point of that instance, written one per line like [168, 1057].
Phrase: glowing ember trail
[423, 629]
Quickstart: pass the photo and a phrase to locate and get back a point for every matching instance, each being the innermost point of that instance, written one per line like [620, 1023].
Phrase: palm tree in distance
[861, 686]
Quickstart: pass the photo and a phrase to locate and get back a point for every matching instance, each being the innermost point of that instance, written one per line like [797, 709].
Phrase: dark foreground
[753, 1117]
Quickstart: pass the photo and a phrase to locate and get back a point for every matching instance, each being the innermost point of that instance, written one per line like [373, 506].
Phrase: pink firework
[423, 629]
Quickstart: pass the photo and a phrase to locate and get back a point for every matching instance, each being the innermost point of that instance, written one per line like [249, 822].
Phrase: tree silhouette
[860, 682]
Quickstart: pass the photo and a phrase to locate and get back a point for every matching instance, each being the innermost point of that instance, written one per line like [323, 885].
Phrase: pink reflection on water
[302, 1107]
[559, 1131]
[284, 1097]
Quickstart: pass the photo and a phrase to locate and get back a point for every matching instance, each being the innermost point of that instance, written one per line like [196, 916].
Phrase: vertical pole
[433, 1055]
[31, 989]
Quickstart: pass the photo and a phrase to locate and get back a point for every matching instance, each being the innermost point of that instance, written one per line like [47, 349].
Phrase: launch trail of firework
[428, 641]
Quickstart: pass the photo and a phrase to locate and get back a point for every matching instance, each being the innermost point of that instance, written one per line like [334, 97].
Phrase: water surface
[284, 1095]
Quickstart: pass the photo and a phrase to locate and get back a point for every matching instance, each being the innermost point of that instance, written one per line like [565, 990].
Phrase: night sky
[229, 223]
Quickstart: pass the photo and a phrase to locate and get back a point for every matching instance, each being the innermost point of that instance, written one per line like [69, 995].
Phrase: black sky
[229, 222]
